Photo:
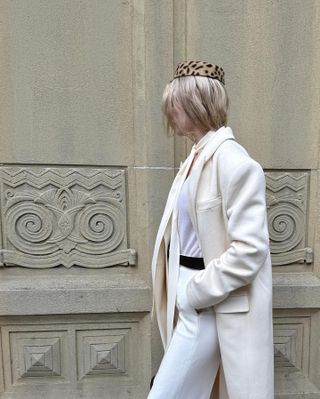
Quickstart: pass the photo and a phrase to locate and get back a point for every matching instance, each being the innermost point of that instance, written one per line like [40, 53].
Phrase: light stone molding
[295, 345]
[64, 216]
[68, 353]
[42, 359]
[291, 343]
[287, 197]
[102, 352]
[37, 354]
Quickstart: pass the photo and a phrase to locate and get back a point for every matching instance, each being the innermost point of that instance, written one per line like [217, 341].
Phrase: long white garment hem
[191, 362]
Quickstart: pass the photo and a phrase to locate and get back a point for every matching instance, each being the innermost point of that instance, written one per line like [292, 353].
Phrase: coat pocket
[185, 275]
[233, 304]
[209, 203]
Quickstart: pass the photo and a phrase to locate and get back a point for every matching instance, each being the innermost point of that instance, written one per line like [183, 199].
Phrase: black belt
[189, 261]
[193, 263]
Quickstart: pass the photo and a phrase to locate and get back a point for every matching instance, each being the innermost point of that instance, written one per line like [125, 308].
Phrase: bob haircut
[203, 99]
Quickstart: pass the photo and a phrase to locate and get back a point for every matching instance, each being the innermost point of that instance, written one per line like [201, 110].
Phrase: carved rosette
[60, 216]
[286, 204]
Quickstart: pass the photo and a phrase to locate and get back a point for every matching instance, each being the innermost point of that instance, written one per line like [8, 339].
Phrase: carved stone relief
[295, 348]
[38, 354]
[286, 195]
[102, 352]
[70, 352]
[291, 343]
[64, 216]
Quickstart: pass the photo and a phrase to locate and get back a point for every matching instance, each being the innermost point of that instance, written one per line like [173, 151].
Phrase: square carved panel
[287, 198]
[39, 354]
[291, 343]
[72, 352]
[102, 352]
[64, 216]
[296, 342]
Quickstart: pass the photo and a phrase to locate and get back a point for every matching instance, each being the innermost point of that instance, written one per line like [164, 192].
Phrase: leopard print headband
[199, 68]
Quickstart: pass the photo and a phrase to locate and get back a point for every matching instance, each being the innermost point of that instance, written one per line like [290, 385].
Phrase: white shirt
[189, 245]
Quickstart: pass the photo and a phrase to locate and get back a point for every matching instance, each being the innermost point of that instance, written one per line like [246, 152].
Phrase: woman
[211, 266]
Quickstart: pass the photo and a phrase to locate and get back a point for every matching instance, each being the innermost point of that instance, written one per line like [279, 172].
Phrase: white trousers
[190, 364]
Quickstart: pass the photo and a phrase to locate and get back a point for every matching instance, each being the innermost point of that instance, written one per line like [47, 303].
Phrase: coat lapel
[212, 145]
[164, 230]
[173, 273]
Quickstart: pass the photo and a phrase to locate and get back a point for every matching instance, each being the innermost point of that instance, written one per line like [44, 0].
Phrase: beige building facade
[85, 168]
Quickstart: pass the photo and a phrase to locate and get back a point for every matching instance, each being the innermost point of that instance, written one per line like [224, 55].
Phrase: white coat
[227, 206]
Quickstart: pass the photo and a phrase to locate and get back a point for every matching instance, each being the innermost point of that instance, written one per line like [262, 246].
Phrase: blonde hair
[204, 100]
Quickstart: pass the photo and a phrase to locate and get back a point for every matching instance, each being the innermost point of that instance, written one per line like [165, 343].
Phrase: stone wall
[85, 168]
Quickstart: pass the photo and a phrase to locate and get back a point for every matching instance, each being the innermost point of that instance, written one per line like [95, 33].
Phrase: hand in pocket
[182, 300]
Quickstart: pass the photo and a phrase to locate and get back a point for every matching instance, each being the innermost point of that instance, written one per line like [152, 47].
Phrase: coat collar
[207, 142]
[210, 135]
[213, 136]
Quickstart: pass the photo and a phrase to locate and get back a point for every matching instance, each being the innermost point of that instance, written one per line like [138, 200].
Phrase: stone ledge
[48, 296]
[297, 290]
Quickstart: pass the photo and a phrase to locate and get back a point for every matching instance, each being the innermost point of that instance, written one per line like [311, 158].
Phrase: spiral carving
[28, 225]
[99, 223]
[9, 194]
[285, 227]
[64, 217]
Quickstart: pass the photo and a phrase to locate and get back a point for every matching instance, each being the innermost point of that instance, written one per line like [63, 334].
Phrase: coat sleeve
[245, 205]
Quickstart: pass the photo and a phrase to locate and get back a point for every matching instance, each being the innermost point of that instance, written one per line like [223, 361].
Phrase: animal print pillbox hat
[199, 68]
